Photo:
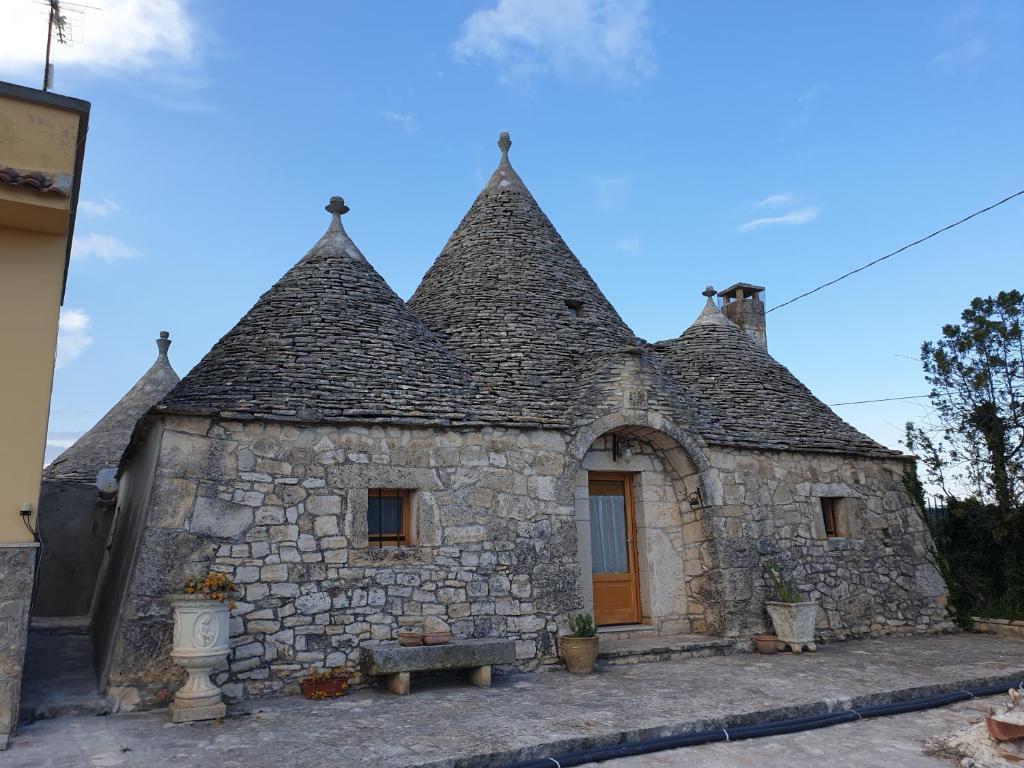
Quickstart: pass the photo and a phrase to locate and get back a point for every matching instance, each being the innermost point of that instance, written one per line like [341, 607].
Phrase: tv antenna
[59, 25]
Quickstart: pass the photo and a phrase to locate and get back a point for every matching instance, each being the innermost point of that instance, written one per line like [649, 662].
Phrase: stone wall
[876, 578]
[500, 546]
[17, 571]
[1003, 627]
[120, 646]
[282, 510]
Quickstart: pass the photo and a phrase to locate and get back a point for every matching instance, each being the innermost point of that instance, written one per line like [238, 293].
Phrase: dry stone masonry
[488, 399]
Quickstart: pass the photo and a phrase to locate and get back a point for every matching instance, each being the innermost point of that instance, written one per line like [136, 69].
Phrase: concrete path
[895, 742]
[548, 713]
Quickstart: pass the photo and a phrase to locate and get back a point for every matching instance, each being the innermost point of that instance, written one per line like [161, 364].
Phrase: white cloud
[967, 55]
[801, 216]
[72, 335]
[630, 245]
[602, 39]
[612, 192]
[773, 201]
[98, 208]
[407, 121]
[62, 439]
[121, 34]
[57, 443]
[103, 247]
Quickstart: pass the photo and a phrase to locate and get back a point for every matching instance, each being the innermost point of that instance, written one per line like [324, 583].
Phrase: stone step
[648, 648]
[627, 631]
[59, 679]
[61, 625]
[75, 704]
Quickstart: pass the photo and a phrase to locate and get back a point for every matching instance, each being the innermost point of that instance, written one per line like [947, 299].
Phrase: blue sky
[673, 144]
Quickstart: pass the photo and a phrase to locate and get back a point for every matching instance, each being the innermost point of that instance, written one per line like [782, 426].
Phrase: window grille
[387, 516]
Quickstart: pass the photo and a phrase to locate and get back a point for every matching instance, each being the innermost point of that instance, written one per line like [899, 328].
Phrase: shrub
[582, 625]
[785, 591]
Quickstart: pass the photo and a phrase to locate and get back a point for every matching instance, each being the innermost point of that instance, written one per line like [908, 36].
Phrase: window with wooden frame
[830, 516]
[387, 516]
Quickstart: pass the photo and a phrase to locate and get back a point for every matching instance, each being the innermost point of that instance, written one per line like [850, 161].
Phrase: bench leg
[481, 676]
[398, 683]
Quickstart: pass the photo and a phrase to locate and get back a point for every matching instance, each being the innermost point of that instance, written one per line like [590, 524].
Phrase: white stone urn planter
[200, 645]
[794, 624]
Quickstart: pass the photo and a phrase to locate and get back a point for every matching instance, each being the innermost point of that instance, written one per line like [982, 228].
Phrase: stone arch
[671, 434]
[673, 537]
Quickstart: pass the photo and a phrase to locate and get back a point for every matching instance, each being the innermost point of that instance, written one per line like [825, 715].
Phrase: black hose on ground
[760, 730]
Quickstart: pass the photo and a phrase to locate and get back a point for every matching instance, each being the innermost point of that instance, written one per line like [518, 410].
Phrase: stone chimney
[742, 304]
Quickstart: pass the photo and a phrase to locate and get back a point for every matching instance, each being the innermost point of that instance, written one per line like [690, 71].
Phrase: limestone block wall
[282, 510]
[17, 572]
[876, 578]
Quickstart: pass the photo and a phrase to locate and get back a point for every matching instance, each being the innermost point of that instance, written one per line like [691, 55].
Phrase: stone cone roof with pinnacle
[750, 400]
[329, 341]
[510, 299]
[102, 446]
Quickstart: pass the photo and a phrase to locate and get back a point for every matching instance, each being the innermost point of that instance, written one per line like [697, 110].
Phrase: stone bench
[396, 662]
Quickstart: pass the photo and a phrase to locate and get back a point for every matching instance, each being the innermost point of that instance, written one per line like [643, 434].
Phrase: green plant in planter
[785, 591]
[793, 617]
[582, 625]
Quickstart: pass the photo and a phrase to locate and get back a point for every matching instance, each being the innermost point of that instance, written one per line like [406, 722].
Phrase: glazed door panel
[613, 554]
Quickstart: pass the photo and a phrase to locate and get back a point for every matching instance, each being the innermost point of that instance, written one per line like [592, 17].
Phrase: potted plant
[579, 648]
[201, 644]
[792, 617]
[325, 684]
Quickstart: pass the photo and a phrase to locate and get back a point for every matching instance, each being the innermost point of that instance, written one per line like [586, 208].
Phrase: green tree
[976, 373]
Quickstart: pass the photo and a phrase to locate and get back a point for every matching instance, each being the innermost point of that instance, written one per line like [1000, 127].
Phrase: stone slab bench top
[392, 658]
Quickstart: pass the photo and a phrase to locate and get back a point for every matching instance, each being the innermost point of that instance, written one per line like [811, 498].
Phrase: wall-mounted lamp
[696, 500]
[621, 448]
[26, 516]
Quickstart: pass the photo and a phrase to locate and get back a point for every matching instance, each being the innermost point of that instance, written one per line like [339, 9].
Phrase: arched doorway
[644, 546]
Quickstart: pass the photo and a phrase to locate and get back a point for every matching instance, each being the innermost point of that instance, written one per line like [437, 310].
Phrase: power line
[879, 400]
[898, 250]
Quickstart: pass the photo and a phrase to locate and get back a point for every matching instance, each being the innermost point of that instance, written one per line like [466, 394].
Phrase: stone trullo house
[498, 451]
[77, 494]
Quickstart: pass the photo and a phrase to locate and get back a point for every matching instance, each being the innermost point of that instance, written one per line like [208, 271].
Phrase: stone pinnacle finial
[709, 292]
[504, 142]
[336, 208]
[163, 343]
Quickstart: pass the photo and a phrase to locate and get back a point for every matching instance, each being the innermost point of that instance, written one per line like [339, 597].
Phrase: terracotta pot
[436, 638]
[1000, 730]
[766, 643]
[410, 638]
[578, 653]
[325, 689]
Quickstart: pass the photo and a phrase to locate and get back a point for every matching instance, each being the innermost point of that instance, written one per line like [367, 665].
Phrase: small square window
[387, 516]
[575, 307]
[830, 516]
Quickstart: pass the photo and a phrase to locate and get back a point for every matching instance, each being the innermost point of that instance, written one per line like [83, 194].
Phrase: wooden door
[613, 553]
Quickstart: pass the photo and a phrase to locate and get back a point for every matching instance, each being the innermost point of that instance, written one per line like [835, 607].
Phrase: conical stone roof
[511, 300]
[747, 398]
[329, 341]
[101, 447]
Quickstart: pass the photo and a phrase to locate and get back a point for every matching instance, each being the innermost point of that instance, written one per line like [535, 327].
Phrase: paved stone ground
[886, 741]
[445, 724]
